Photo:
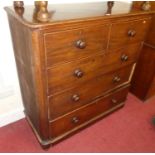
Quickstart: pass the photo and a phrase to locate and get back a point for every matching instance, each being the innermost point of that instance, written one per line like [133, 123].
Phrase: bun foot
[46, 146]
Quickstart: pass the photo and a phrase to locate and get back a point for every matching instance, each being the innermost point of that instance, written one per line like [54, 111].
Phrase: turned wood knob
[78, 73]
[124, 57]
[42, 12]
[114, 101]
[75, 120]
[131, 33]
[18, 4]
[80, 44]
[75, 97]
[117, 79]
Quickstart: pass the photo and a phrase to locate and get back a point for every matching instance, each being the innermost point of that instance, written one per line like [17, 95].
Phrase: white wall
[11, 107]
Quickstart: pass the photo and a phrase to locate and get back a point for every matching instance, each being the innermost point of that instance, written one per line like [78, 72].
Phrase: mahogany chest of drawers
[74, 69]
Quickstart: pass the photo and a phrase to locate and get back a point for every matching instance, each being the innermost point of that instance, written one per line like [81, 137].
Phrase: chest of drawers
[74, 70]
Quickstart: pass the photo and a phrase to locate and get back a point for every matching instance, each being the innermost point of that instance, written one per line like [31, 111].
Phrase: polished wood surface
[64, 102]
[75, 119]
[25, 43]
[150, 37]
[144, 73]
[143, 80]
[66, 49]
[61, 12]
[151, 91]
[79, 64]
[128, 32]
[90, 68]
[83, 11]
[23, 55]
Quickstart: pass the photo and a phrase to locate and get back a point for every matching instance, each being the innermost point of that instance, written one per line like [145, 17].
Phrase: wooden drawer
[74, 44]
[125, 33]
[85, 115]
[74, 73]
[70, 100]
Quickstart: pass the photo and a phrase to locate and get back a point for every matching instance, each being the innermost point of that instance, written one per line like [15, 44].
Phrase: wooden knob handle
[117, 79]
[114, 101]
[124, 57]
[75, 97]
[78, 73]
[80, 44]
[131, 33]
[75, 120]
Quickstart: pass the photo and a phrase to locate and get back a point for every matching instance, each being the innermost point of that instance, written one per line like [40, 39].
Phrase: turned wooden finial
[19, 7]
[110, 4]
[18, 4]
[42, 13]
[19, 11]
[146, 6]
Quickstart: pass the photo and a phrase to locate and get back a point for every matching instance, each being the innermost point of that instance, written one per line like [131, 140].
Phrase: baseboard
[11, 116]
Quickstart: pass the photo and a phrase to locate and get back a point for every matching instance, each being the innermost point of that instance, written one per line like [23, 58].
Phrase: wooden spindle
[41, 10]
[146, 6]
[110, 4]
[18, 4]
[19, 7]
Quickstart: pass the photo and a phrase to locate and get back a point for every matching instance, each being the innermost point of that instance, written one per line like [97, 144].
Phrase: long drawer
[70, 100]
[87, 114]
[74, 73]
[73, 44]
[125, 33]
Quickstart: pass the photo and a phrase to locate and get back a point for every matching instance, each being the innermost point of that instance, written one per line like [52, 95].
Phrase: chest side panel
[27, 46]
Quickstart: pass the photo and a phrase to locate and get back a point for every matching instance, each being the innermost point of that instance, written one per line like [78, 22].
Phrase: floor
[129, 129]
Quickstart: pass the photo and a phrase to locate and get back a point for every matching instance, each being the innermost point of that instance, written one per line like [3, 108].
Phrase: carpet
[129, 129]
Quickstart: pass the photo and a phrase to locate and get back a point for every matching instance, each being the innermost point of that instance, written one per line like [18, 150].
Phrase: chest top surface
[74, 12]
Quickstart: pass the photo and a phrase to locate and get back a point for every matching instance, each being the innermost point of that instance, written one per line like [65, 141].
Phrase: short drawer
[73, 74]
[67, 101]
[87, 114]
[125, 33]
[74, 44]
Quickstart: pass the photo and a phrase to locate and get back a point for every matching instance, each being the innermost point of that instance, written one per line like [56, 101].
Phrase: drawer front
[81, 116]
[74, 44]
[128, 32]
[74, 73]
[70, 100]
